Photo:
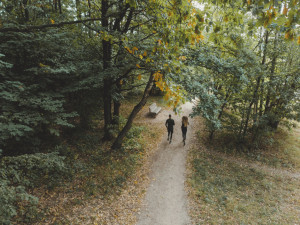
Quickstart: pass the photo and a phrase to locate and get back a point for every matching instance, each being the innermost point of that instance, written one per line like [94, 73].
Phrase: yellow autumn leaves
[269, 16]
[172, 94]
[141, 56]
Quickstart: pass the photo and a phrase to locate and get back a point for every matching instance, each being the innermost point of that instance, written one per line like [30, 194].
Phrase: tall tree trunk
[89, 4]
[118, 142]
[55, 5]
[261, 100]
[59, 6]
[255, 94]
[263, 80]
[272, 71]
[26, 12]
[260, 86]
[250, 108]
[107, 82]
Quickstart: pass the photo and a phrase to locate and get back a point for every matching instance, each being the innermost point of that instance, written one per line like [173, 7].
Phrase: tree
[149, 36]
[235, 86]
[50, 77]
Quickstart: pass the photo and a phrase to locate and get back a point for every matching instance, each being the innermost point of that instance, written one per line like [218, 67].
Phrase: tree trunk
[59, 6]
[118, 142]
[261, 101]
[107, 100]
[107, 82]
[263, 80]
[260, 97]
[273, 66]
[89, 4]
[255, 95]
[26, 12]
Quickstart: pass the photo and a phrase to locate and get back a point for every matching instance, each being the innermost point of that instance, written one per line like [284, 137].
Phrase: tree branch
[132, 87]
[40, 27]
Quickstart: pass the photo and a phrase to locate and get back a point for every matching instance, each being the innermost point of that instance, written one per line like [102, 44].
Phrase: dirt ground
[165, 200]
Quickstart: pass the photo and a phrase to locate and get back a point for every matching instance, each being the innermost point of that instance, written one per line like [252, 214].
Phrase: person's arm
[166, 123]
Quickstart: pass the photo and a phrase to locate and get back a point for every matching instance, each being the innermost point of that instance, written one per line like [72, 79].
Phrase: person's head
[170, 116]
[185, 120]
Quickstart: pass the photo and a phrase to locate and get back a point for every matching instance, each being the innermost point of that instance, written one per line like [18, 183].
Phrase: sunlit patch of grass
[232, 193]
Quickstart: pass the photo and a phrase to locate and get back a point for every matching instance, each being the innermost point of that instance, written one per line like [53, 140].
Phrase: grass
[226, 190]
[281, 150]
[285, 151]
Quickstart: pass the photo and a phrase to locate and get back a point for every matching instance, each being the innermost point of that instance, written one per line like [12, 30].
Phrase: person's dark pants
[184, 130]
[170, 134]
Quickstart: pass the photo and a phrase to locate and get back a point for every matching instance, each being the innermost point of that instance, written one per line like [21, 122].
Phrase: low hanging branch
[44, 26]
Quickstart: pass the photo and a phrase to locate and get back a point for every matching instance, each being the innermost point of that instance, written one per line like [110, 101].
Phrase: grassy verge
[99, 192]
[226, 190]
[281, 150]
[285, 151]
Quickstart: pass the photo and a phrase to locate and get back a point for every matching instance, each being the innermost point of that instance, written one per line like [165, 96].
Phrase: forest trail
[166, 201]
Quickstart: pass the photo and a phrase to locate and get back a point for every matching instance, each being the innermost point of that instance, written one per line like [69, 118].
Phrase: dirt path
[165, 202]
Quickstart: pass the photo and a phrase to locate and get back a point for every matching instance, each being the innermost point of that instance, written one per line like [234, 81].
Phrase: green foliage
[19, 173]
[42, 91]
[239, 92]
[134, 134]
[35, 169]
[30, 91]
[11, 199]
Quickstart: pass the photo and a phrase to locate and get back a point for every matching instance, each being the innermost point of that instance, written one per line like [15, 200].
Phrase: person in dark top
[170, 124]
[185, 123]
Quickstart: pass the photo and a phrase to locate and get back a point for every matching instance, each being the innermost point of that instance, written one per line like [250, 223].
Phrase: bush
[15, 201]
[22, 172]
[30, 170]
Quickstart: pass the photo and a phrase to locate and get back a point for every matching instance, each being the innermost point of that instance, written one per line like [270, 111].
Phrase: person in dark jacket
[170, 125]
[185, 123]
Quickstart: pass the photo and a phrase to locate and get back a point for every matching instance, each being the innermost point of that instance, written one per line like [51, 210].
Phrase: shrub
[19, 173]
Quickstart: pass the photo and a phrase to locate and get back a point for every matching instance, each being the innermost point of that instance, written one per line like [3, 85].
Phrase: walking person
[170, 124]
[185, 123]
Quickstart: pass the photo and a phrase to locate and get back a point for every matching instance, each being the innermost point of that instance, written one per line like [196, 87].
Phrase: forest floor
[110, 186]
[155, 182]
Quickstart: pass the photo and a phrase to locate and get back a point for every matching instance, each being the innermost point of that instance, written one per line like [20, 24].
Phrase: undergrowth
[280, 149]
[45, 187]
[99, 172]
[226, 190]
